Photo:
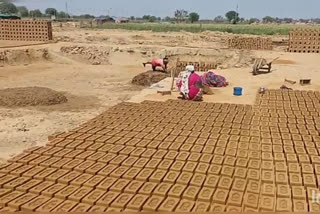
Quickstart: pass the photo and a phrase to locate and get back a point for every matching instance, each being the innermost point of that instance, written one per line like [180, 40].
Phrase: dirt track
[92, 88]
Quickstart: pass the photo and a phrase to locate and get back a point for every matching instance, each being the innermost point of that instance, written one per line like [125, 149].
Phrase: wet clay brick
[65, 206]
[309, 180]
[9, 167]
[251, 200]
[30, 184]
[220, 196]
[142, 162]
[169, 205]
[50, 161]
[299, 192]
[268, 190]
[97, 209]
[214, 169]
[64, 193]
[19, 171]
[56, 175]
[83, 166]
[4, 200]
[4, 192]
[81, 208]
[17, 203]
[185, 206]
[107, 199]
[284, 205]
[15, 183]
[267, 176]
[300, 206]
[34, 171]
[177, 165]
[283, 191]
[117, 173]
[171, 177]
[240, 172]
[158, 176]
[137, 202]
[162, 189]
[94, 196]
[6, 179]
[133, 187]
[41, 187]
[267, 203]
[153, 203]
[239, 184]
[225, 182]
[129, 161]
[201, 206]
[34, 204]
[132, 173]
[49, 192]
[79, 194]
[197, 179]
[295, 179]
[215, 207]
[206, 194]
[165, 164]
[49, 205]
[39, 160]
[120, 185]
[147, 188]
[144, 174]
[184, 178]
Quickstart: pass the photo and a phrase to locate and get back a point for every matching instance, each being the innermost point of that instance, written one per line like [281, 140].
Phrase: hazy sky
[206, 8]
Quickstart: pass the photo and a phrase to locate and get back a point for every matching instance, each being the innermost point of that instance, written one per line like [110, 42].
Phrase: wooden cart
[261, 66]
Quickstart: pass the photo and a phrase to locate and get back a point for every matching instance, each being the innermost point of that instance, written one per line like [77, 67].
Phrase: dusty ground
[92, 88]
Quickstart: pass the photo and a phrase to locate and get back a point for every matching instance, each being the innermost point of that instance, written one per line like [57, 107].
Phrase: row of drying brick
[236, 194]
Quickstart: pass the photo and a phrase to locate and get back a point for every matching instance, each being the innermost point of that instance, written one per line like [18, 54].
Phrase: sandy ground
[92, 88]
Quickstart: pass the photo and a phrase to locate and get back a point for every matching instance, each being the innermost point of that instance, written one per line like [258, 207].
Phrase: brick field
[177, 156]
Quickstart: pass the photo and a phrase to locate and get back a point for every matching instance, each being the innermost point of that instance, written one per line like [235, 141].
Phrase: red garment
[193, 90]
[157, 63]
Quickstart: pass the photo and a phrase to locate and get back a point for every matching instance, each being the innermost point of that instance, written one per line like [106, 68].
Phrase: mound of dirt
[23, 56]
[148, 78]
[95, 55]
[30, 96]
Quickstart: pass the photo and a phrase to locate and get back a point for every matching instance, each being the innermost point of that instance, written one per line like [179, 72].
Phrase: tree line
[179, 16]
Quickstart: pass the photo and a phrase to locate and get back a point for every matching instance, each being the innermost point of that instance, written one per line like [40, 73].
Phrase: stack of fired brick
[304, 41]
[25, 30]
[199, 66]
[250, 43]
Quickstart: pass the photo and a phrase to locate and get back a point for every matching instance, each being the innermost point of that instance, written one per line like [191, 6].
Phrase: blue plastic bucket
[237, 91]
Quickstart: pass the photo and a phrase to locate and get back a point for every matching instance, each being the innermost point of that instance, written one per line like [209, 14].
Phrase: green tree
[167, 19]
[268, 19]
[62, 15]
[8, 8]
[181, 15]
[153, 19]
[253, 20]
[194, 17]
[51, 11]
[219, 19]
[23, 11]
[35, 13]
[233, 17]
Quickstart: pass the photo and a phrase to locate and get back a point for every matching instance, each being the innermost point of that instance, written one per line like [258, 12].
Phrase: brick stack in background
[250, 43]
[25, 30]
[304, 41]
[198, 66]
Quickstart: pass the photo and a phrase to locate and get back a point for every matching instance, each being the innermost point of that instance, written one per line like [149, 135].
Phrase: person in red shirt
[163, 63]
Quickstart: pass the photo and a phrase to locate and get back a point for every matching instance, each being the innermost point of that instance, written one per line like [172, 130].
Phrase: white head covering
[190, 68]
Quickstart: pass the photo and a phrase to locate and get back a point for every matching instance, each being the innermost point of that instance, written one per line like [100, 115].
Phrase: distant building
[104, 19]
[120, 20]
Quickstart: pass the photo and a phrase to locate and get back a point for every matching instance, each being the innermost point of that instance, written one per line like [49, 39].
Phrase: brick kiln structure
[250, 43]
[25, 30]
[304, 41]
